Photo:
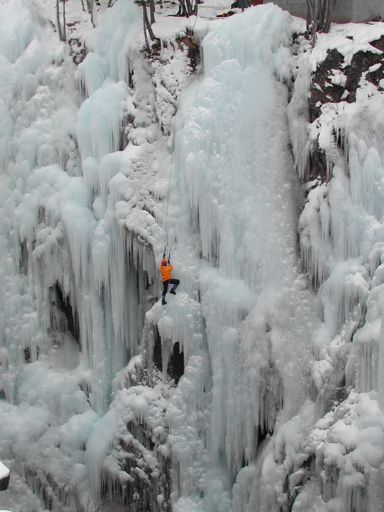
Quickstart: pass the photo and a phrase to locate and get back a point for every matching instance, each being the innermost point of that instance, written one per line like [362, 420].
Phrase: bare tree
[61, 20]
[319, 13]
[145, 23]
[147, 26]
[64, 22]
[186, 8]
[148, 21]
[90, 8]
[152, 11]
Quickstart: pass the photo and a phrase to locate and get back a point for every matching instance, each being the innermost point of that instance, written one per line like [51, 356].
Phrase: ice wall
[280, 438]
[76, 260]
[233, 181]
[70, 190]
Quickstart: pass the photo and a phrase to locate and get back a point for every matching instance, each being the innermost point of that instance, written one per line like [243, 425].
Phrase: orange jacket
[165, 271]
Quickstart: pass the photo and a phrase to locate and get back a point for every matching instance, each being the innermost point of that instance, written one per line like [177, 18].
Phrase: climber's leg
[165, 289]
[175, 283]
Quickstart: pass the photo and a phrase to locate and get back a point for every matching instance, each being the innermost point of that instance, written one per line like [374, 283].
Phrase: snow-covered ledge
[4, 477]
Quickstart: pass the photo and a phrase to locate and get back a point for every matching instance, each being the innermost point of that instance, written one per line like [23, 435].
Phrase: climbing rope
[173, 148]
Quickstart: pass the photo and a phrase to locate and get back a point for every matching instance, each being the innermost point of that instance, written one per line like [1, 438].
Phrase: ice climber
[166, 271]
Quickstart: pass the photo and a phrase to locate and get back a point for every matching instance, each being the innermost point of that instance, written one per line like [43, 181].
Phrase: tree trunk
[64, 23]
[319, 14]
[58, 20]
[152, 11]
[188, 8]
[91, 11]
[309, 14]
[147, 25]
[182, 10]
[327, 24]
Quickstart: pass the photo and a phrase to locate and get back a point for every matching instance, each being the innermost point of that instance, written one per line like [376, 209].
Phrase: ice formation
[259, 386]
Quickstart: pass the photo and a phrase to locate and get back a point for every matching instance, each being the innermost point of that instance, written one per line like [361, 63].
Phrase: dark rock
[322, 87]
[4, 482]
[176, 363]
[325, 89]
[63, 304]
[361, 62]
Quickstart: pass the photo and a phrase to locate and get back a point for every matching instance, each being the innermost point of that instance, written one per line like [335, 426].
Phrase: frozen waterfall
[258, 386]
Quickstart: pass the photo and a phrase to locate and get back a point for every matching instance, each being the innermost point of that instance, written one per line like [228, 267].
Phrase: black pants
[175, 283]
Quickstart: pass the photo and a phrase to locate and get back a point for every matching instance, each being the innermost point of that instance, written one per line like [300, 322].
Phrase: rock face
[4, 477]
[335, 81]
